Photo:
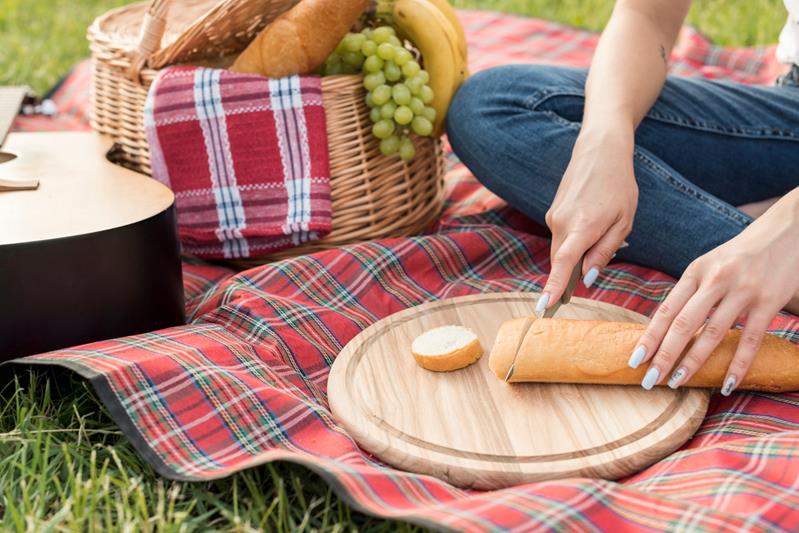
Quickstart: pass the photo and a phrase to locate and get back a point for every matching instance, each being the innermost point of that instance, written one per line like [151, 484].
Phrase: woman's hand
[754, 275]
[593, 210]
[594, 207]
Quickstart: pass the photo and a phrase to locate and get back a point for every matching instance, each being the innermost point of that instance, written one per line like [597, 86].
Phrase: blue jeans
[703, 148]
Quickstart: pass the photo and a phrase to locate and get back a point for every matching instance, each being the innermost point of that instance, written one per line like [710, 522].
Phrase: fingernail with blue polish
[650, 378]
[637, 356]
[729, 385]
[590, 277]
[541, 304]
[676, 379]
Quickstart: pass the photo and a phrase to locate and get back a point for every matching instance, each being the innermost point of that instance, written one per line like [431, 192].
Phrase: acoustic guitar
[88, 249]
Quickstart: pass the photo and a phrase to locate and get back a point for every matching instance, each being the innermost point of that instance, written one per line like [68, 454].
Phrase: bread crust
[299, 40]
[508, 340]
[596, 351]
[454, 360]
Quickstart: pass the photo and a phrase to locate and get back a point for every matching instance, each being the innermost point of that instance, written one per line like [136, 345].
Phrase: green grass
[65, 466]
[728, 22]
[41, 39]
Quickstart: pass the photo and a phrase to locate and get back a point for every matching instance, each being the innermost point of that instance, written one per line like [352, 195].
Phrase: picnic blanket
[246, 157]
[244, 382]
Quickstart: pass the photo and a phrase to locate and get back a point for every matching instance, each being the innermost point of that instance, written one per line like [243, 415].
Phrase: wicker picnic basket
[373, 196]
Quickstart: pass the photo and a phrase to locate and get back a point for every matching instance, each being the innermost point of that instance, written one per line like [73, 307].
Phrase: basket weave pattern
[373, 196]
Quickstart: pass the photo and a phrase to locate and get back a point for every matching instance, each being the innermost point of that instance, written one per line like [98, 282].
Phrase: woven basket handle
[152, 30]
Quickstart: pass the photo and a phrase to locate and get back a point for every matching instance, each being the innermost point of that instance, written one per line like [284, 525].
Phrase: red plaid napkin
[246, 157]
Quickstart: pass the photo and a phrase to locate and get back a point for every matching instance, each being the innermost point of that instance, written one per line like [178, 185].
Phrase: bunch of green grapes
[398, 95]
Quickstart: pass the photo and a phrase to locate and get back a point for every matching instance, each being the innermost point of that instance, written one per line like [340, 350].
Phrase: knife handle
[573, 281]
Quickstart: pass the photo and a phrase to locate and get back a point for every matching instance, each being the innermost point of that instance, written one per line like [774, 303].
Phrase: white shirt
[788, 47]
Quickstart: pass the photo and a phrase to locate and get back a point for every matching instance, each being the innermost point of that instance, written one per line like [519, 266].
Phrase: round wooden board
[475, 431]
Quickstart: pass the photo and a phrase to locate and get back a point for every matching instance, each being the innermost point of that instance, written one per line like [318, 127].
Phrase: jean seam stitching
[534, 101]
[559, 119]
[681, 186]
[762, 132]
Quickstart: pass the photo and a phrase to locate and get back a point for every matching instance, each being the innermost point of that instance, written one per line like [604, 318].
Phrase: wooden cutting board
[475, 431]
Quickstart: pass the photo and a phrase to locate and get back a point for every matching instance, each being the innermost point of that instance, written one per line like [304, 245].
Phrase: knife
[549, 313]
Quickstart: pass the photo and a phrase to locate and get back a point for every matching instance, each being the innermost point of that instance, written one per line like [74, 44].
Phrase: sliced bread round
[446, 348]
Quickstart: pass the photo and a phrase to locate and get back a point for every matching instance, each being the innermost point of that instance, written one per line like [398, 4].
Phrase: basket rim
[96, 33]
[180, 46]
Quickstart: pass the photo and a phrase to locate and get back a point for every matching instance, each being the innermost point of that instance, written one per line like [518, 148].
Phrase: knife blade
[549, 313]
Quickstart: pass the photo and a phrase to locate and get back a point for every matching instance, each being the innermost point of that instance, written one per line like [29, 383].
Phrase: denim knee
[492, 94]
[467, 106]
[504, 126]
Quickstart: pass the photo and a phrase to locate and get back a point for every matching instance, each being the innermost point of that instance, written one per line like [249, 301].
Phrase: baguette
[299, 40]
[596, 351]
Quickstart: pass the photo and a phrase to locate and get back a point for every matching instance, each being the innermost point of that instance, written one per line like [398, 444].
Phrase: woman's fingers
[679, 318]
[712, 334]
[752, 336]
[599, 255]
[564, 258]
[664, 316]
[686, 323]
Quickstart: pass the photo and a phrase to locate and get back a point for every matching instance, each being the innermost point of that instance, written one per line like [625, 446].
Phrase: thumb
[564, 259]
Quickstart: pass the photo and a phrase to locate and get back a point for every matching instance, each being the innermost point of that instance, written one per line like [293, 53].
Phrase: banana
[446, 9]
[432, 33]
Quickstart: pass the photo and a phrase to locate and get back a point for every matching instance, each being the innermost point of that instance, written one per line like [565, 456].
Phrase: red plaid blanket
[245, 156]
[244, 382]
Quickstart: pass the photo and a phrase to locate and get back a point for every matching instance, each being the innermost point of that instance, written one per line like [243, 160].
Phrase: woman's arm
[630, 64]
[595, 204]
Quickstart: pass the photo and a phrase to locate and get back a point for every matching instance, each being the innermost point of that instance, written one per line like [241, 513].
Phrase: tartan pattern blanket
[244, 382]
[245, 156]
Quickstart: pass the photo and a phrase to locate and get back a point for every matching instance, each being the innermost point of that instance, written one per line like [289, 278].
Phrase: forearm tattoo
[663, 55]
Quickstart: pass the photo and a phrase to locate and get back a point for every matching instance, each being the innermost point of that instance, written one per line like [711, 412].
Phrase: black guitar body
[73, 290]
[88, 250]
